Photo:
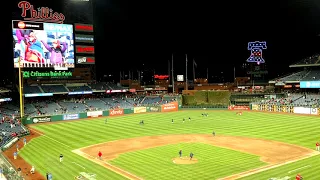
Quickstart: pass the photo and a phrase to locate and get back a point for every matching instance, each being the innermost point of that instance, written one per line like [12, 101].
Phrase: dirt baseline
[271, 152]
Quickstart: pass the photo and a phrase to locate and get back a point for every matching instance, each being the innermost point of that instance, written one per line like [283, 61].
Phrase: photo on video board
[43, 44]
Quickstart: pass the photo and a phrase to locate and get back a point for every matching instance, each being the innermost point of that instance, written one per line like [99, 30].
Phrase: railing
[7, 169]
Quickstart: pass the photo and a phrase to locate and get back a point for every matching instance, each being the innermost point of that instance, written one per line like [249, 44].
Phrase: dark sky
[215, 33]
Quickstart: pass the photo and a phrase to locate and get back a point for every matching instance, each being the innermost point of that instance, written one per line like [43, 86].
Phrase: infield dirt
[272, 152]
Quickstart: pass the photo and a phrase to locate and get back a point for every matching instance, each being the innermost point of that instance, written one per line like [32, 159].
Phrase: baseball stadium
[130, 132]
[59, 122]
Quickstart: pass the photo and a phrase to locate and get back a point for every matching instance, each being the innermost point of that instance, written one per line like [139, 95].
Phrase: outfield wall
[170, 107]
[286, 109]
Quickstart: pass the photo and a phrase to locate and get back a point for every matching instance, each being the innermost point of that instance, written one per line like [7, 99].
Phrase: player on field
[214, 133]
[183, 120]
[189, 119]
[100, 155]
[299, 177]
[172, 121]
[180, 153]
[191, 156]
[317, 146]
[61, 157]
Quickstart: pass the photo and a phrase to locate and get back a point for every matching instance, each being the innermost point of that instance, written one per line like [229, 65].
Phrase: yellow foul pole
[21, 91]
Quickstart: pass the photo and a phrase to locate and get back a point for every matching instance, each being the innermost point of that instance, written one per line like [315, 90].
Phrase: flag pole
[172, 76]
[186, 72]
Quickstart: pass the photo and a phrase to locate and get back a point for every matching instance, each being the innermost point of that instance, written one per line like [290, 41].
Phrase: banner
[314, 111]
[301, 110]
[170, 107]
[139, 110]
[94, 113]
[71, 116]
[154, 109]
[41, 119]
[116, 112]
[255, 107]
[239, 107]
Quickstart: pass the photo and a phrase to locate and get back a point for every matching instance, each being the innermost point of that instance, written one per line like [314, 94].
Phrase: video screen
[43, 45]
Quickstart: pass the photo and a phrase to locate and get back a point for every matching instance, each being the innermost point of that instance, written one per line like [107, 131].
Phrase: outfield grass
[59, 138]
[213, 162]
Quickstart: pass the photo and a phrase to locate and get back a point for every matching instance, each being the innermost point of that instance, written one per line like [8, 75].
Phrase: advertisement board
[83, 27]
[82, 38]
[255, 107]
[41, 119]
[139, 110]
[314, 111]
[71, 116]
[84, 49]
[180, 78]
[153, 109]
[79, 92]
[239, 108]
[116, 112]
[309, 84]
[305, 110]
[170, 107]
[85, 60]
[42, 45]
[94, 113]
[38, 95]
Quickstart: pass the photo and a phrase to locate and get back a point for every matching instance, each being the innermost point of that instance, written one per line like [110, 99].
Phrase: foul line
[51, 138]
[299, 168]
[265, 168]
[78, 165]
[119, 169]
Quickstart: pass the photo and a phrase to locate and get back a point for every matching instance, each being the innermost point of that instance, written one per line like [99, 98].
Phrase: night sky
[214, 33]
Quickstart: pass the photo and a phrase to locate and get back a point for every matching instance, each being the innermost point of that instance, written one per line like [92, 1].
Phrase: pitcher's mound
[184, 160]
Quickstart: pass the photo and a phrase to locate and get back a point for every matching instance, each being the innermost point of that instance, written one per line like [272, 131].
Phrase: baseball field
[255, 145]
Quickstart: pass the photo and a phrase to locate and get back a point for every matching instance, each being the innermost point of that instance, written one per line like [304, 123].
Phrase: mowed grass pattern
[213, 162]
[63, 137]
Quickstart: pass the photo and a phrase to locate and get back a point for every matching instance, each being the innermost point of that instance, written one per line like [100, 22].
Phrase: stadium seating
[31, 89]
[295, 100]
[315, 59]
[53, 88]
[79, 88]
[113, 86]
[312, 75]
[98, 86]
[73, 107]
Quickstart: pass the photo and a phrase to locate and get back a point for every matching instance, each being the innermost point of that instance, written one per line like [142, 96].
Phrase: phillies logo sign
[44, 14]
[115, 112]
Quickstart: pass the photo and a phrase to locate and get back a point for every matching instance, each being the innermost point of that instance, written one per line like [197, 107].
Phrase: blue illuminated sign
[309, 84]
[38, 94]
[256, 51]
[76, 93]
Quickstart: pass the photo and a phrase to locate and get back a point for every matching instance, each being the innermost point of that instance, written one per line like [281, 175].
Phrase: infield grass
[213, 162]
[43, 152]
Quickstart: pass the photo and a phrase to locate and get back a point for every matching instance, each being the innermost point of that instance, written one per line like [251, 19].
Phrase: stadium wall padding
[128, 111]
[105, 113]
[83, 115]
[43, 119]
